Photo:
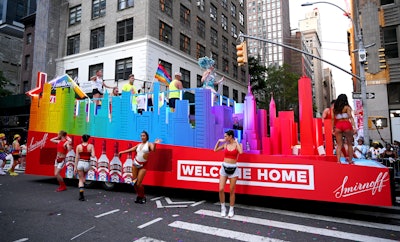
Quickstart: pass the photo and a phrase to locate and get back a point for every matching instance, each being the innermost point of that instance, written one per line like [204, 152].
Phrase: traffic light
[241, 51]
[382, 58]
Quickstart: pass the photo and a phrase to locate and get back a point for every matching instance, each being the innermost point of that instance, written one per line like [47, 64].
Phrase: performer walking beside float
[63, 145]
[229, 169]
[82, 162]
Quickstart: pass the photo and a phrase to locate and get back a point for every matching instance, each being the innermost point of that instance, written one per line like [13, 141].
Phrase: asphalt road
[30, 210]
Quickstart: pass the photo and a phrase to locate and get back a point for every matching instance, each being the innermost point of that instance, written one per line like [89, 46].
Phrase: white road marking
[83, 233]
[156, 198]
[169, 201]
[297, 227]
[107, 213]
[21, 240]
[147, 239]
[198, 203]
[149, 223]
[231, 234]
[159, 205]
[322, 217]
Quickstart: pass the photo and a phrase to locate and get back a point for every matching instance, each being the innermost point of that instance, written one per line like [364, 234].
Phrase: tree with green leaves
[3, 83]
[276, 81]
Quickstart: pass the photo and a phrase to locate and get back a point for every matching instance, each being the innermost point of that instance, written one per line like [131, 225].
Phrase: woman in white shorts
[229, 169]
[142, 150]
[83, 153]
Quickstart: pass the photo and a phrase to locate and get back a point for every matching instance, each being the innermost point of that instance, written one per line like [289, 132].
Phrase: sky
[334, 27]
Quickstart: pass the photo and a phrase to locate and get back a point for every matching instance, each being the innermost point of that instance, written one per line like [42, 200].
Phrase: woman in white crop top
[344, 126]
[139, 164]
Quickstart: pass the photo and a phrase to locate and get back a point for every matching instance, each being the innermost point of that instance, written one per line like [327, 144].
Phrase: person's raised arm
[55, 139]
[218, 147]
[128, 150]
[153, 145]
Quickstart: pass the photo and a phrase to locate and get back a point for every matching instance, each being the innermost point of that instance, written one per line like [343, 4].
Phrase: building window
[75, 14]
[185, 78]
[97, 38]
[213, 13]
[125, 30]
[27, 62]
[123, 68]
[235, 70]
[225, 91]
[225, 65]
[200, 4]
[393, 90]
[233, 10]
[224, 45]
[233, 31]
[385, 2]
[235, 95]
[241, 18]
[98, 8]
[28, 38]
[73, 73]
[185, 16]
[167, 66]
[243, 76]
[243, 97]
[166, 7]
[165, 33]
[73, 44]
[123, 4]
[215, 58]
[214, 37]
[94, 68]
[184, 44]
[198, 81]
[224, 3]
[241, 2]
[234, 54]
[201, 27]
[390, 42]
[200, 51]
[224, 22]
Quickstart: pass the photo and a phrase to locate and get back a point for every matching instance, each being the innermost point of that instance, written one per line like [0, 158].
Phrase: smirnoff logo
[347, 190]
[37, 144]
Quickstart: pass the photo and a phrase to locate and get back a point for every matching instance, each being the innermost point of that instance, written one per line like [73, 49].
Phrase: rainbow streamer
[162, 75]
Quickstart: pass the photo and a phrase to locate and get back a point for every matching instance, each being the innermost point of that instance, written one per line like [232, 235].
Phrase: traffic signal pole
[298, 50]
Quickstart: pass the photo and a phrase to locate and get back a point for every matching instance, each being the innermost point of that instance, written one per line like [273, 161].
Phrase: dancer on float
[139, 164]
[209, 76]
[63, 146]
[83, 153]
[229, 169]
[344, 126]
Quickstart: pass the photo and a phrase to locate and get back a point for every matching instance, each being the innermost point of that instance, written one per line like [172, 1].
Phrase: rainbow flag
[162, 75]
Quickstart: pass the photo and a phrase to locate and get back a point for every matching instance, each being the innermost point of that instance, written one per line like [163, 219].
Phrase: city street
[30, 210]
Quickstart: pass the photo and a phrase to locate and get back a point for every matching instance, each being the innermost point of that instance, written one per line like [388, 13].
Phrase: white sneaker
[231, 212]
[223, 211]
[2, 173]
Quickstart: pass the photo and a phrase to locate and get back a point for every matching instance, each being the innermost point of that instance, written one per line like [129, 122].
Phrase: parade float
[282, 158]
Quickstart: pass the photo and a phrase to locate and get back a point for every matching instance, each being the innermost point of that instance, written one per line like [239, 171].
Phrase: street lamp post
[361, 60]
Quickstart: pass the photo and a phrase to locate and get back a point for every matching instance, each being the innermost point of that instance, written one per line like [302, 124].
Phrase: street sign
[357, 95]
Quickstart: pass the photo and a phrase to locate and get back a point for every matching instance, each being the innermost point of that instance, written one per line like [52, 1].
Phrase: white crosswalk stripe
[294, 227]
[323, 218]
[226, 233]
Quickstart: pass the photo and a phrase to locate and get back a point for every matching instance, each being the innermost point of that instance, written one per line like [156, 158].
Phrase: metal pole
[361, 47]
